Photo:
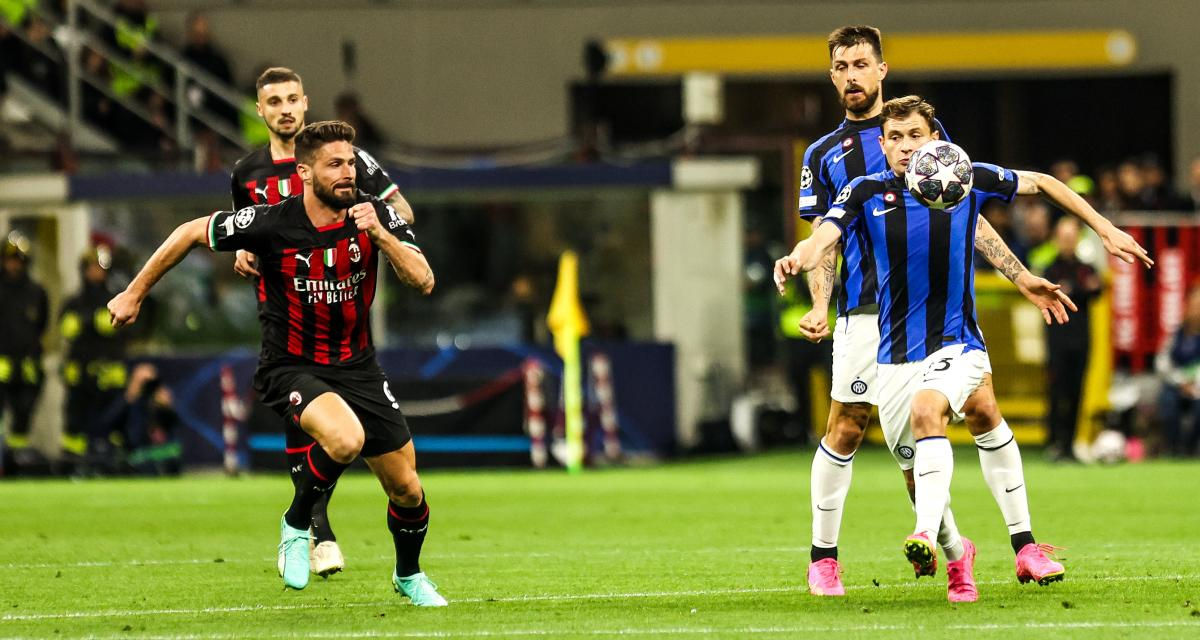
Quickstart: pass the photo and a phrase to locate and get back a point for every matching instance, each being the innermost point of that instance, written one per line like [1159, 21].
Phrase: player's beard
[859, 109]
[330, 197]
[286, 136]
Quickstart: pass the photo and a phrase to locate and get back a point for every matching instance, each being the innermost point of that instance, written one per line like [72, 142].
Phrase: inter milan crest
[805, 178]
[843, 196]
[243, 217]
[858, 387]
[905, 452]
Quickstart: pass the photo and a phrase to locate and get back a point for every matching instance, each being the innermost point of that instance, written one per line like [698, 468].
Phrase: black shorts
[288, 389]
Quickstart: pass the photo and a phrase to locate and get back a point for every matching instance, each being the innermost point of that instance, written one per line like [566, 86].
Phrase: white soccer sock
[1000, 460]
[831, 474]
[949, 538]
[933, 466]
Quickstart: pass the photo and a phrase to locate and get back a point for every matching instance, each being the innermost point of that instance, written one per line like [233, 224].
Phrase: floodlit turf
[716, 549]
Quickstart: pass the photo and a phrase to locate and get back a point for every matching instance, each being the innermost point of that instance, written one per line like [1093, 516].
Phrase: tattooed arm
[814, 326]
[1045, 295]
[993, 247]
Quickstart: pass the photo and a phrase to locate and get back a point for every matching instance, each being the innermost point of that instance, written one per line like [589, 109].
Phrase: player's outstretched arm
[1116, 242]
[1045, 295]
[123, 309]
[408, 262]
[807, 254]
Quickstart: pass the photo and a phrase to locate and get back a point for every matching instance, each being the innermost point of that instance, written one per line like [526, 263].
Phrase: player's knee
[847, 434]
[345, 447]
[407, 491]
[982, 415]
[926, 418]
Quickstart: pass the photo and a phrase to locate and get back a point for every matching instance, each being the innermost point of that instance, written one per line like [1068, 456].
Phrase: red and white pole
[606, 402]
[535, 417]
[232, 412]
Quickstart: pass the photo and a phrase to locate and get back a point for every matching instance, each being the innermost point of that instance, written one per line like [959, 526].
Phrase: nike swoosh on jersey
[879, 212]
[838, 157]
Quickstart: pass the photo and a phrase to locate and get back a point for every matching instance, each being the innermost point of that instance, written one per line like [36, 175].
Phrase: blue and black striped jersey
[924, 258]
[850, 151]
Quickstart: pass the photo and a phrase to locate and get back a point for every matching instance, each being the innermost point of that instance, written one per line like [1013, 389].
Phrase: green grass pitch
[715, 548]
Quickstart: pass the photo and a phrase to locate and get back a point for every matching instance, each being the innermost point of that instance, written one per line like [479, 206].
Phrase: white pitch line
[68, 615]
[428, 556]
[626, 631]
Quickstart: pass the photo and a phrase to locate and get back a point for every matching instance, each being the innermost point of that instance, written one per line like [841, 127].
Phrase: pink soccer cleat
[825, 578]
[960, 576]
[922, 553]
[1032, 564]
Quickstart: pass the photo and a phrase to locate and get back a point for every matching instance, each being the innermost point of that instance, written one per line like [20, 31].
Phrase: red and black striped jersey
[259, 179]
[317, 283]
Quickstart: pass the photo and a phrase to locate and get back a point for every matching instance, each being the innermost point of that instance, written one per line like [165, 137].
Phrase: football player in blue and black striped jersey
[933, 364]
[857, 70]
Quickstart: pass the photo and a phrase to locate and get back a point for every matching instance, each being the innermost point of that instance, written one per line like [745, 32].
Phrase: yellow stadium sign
[912, 52]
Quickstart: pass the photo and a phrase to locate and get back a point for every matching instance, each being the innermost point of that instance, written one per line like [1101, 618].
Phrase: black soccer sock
[319, 474]
[1019, 540]
[297, 457]
[820, 553]
[408, 526]
[322, 531]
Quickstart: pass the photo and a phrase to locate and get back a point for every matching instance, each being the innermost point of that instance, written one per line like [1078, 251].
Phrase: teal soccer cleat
[293, 555]
[420, 589]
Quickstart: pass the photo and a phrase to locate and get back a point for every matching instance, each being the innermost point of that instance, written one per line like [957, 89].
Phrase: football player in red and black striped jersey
[317, 367]
[269, 176]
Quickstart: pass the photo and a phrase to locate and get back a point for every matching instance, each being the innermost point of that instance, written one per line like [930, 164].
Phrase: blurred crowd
[128, 90]
[117, 417]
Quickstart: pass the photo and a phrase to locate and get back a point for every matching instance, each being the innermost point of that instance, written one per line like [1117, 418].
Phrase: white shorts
[855, 350]
[948, 371]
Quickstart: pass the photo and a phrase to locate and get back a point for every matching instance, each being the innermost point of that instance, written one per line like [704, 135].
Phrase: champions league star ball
[1109, 447]
[939, 174]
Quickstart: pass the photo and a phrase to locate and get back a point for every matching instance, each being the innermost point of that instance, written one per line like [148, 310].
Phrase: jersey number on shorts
[387, 391]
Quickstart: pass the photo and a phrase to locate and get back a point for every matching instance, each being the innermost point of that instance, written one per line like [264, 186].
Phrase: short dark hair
[275, 75]
[851, 35]
[901, 108]
[318, 134]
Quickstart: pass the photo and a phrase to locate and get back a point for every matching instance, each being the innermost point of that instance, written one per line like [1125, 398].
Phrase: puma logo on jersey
[305, 258]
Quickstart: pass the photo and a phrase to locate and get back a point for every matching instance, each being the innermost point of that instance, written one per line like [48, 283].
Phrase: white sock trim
[997, 438]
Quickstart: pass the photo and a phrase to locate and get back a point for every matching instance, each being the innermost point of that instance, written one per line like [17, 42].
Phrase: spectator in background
[94, 370]
[349, 110]
[1108, 191]
[1067, 171]
[24, 316]
[1132, 186]
[1036, 217]
[200, 51]
[1068, 344]
[145, 417]
[1158, 192]
[1179, 366]
[42, 63]
[98, 108]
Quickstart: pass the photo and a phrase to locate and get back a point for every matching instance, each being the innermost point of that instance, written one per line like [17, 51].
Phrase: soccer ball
[1109, 447]
[939, 174]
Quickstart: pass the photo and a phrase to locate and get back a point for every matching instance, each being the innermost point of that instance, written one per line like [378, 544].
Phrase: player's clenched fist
[123, 309]
[365, 219]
